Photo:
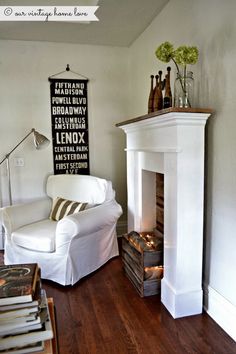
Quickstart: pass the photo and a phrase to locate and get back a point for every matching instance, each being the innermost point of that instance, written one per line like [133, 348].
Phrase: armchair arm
[16, 216]
[90, 220]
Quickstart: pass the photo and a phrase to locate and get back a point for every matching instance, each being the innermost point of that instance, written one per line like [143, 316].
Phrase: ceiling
[120, 22]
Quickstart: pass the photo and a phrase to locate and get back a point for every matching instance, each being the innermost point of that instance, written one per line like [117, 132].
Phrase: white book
[46, 332]
[19, 312]
[17, 323]
[19, 306]
[31, 348]
[25, 329]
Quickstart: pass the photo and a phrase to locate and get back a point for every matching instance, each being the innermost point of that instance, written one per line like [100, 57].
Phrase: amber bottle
[151, 96]
[158, 98]
[159, 92]
[155, 95]
[168, 94]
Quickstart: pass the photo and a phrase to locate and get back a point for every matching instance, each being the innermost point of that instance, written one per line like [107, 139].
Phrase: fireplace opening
[153, 212]
[152, 202]
[143, 249]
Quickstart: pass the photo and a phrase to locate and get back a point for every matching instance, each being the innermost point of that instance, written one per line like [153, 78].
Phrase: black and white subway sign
[69, 111]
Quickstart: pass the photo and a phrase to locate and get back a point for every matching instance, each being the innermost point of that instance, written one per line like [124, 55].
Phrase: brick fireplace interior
[160, 204]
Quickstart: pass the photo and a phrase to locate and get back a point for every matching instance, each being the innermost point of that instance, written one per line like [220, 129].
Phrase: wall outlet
[19, 162]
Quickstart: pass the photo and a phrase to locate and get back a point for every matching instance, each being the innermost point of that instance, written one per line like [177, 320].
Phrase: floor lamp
[40, 142]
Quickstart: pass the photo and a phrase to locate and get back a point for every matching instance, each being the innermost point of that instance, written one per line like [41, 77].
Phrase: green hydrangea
[165, 52]
[184, 55]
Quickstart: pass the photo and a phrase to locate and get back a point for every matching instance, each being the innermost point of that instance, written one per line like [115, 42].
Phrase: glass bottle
[184, 90]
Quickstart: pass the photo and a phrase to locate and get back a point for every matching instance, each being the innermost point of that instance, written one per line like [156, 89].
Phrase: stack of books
[25, 323]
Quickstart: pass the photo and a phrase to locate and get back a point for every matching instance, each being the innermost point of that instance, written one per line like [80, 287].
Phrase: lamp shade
[40, 141]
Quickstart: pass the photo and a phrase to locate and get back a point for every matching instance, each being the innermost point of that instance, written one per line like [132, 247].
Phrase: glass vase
[184, 90]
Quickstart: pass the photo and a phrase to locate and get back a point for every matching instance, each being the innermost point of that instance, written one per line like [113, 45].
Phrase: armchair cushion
[39, 236]
[63, 207]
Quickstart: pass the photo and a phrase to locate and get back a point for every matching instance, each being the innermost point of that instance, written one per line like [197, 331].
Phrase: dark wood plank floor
[103, 314]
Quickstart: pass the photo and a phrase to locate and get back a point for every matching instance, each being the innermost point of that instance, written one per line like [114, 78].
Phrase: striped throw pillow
[63, 207]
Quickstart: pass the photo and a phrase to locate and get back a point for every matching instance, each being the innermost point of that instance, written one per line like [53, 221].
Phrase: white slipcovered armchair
[68, 249]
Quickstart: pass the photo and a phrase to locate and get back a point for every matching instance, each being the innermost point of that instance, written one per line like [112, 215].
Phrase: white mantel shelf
[162, 113]
[171, 142]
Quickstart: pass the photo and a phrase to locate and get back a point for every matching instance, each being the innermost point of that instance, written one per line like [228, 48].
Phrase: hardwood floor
[103, 314]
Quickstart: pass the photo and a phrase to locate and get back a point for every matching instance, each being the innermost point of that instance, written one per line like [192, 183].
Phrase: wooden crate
[134, 262]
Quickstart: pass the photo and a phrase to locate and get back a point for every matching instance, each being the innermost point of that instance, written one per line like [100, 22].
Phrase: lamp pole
[9, 179]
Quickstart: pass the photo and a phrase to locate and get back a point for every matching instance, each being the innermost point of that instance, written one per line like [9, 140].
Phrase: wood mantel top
[165, 111]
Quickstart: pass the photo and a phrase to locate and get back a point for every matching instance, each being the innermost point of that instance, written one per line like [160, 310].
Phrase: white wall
[25, 103]
[211, 26]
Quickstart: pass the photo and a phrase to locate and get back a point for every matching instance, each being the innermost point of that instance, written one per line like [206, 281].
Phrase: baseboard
[221, 310]
[180, 304]
[121, 228]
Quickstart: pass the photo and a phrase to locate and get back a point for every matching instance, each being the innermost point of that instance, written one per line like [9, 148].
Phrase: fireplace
[170, 143]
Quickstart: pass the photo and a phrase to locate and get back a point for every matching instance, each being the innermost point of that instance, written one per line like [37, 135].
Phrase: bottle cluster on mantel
[157, 100]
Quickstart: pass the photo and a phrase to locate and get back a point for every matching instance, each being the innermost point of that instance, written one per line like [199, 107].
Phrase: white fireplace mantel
[170, 142]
